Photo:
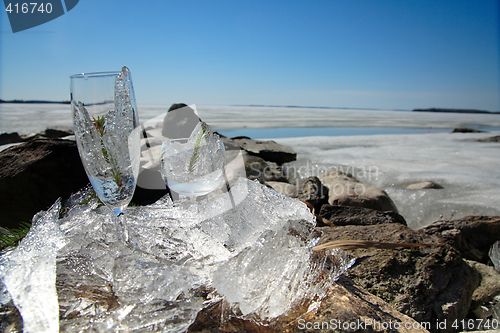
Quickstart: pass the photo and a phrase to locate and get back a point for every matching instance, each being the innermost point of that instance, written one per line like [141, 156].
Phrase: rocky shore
[444, 284]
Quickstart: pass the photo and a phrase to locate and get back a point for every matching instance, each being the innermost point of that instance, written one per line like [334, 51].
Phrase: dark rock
[6, 138]
[179, 121]
[492, 139]
[429, 283]
[257, 168]
[339, 215]
[314, 192]
[466, 130]
[267, 150]
[10, 318]
[58, 132]
[424, 185]
[34, 174]
[472, 236]
[148, 193]
[345, 190]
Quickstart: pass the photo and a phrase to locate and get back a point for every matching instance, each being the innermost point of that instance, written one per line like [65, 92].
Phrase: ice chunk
[252, 246]
[495, 255]
[279, 271]
[29, 273]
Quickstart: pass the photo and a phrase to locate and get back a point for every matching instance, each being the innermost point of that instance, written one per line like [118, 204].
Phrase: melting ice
[251, 246]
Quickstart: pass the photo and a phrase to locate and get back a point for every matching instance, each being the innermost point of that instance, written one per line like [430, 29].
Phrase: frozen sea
[388, 149]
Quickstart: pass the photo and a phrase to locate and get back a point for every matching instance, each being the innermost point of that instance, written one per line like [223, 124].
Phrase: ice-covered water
[29, 118]
[466, 168]
[257, 254]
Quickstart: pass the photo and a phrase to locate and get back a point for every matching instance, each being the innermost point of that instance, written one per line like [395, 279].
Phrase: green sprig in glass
[100, 125]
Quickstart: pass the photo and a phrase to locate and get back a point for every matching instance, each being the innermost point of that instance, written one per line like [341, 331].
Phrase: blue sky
[367, 54]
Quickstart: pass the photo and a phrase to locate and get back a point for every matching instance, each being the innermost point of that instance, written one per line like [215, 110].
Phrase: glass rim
[94, 74]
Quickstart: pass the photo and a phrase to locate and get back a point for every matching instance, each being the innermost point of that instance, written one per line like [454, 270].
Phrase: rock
[179, 121]
[489, 286]
[345, 302]
[314, 192]
[267, 150]
[284, 188]
[429, 283]
[34, 174]
[339, 215]
[492, 139]
[257, 168]
[424, 185]
[58, 132]
[466, 130]
[6, 138]
[472, 236]
[345, 190]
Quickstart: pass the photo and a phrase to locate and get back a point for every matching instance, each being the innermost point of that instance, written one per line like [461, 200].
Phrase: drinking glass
[193, 166]
[107, 132]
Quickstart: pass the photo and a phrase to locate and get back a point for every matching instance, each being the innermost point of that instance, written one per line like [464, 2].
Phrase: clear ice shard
[251, 246]
[29, 273]
[495, 255]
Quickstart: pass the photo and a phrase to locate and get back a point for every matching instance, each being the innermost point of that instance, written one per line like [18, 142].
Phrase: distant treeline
[19, 101]
[454, 111]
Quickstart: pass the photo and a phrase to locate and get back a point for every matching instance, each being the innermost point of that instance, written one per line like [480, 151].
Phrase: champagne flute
[107, 132]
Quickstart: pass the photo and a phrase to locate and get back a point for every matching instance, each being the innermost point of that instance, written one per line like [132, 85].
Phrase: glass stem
[121, 225]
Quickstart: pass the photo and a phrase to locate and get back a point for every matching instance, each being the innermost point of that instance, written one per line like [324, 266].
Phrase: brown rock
[345, 304]
[424, 185]
[34, 174]
[345, 190]
[313, 191]
[429, 283]
[489, 286]
[339, 215]
[472, 236]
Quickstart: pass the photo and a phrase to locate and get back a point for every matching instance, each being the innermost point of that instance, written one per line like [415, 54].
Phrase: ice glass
[193, 166]
[107, 132]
